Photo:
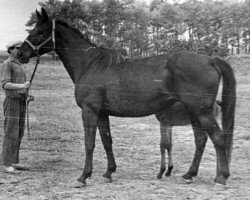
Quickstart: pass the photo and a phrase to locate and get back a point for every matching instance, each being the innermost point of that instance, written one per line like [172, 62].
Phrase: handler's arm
[16, 86]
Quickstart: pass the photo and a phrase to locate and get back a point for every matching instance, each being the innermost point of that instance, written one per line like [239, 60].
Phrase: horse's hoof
[168, 174]
[78, 184]
[219, 187]
[107, 177]
[182, 180]
[159, 176]
[188, 180]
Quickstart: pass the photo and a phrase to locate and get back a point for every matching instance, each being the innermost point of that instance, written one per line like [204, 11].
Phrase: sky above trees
[142, 29]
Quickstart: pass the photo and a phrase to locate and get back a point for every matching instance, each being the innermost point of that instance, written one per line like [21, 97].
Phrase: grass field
[56, 152]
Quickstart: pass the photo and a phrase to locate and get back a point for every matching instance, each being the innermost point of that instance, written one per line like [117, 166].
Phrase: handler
[16, 87]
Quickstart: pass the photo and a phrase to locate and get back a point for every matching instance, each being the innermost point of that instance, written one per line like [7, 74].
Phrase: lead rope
[30, 97]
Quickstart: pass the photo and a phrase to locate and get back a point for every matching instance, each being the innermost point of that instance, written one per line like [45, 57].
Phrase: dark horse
[106, 84]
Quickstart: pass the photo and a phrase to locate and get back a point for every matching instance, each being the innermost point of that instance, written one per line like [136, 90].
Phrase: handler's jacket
[12, 71]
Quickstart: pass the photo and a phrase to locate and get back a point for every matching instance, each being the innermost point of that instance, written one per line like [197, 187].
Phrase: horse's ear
[44, 14]
[39, 16]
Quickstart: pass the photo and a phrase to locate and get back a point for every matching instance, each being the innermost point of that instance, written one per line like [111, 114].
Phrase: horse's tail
[228, 102]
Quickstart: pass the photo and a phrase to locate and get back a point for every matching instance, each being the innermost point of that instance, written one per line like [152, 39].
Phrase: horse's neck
[70, 47]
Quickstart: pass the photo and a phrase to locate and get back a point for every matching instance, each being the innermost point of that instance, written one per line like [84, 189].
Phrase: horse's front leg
[104, 129]
[90, 125]
[166, 143]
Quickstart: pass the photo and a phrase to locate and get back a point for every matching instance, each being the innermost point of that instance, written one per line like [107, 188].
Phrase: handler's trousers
[14, 125]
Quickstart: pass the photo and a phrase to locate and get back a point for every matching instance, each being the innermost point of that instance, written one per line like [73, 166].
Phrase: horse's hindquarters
[195, 80]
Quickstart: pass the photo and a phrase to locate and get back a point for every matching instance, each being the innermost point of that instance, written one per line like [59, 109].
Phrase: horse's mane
[83, 36]
[112, 52]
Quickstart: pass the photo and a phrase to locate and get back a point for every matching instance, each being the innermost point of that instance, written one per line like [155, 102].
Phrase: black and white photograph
[124, 99]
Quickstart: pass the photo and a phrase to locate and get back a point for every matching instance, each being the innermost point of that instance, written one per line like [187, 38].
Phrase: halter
[51, 37]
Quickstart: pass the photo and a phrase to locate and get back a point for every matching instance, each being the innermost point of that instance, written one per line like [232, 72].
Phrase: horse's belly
[136, 107]
[138, 111]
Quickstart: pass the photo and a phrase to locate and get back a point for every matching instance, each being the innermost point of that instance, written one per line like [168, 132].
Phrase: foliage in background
[139, 29]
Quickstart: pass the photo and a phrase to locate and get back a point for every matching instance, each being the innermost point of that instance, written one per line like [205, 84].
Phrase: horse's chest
[87, 94]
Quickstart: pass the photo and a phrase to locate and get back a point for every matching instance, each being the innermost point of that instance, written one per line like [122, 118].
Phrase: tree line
[139, 29]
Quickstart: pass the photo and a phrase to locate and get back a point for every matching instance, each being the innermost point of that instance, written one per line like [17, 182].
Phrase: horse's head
[40, 39]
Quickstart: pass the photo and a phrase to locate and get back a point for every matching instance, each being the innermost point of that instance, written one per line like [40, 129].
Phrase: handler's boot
[10, 170]
[19, 166]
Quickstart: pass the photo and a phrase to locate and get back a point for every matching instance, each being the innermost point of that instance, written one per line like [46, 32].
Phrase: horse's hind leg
[217, 136]
[169, 149]
[208, 123]
[200, 143]
[104, 129]
[166, 143]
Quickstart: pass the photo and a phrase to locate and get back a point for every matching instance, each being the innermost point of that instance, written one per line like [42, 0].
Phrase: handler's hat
[16, 43]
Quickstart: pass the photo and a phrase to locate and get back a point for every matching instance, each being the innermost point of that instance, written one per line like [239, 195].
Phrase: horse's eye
[39, 32]
[39, 36]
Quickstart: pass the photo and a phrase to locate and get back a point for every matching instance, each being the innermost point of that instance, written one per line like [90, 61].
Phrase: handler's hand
[27, 85]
